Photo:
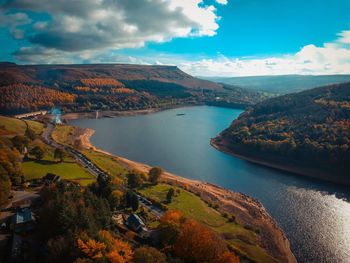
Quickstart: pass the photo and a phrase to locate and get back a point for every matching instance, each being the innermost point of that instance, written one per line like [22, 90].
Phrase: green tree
[154, 174]
[59, 154]
[20, 142]
[134, 202]
[169, 195]
[134, 180]
[128, 198]
[38, 151]
[148, 255]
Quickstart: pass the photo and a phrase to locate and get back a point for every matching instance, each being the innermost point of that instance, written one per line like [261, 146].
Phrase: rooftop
[23, 216]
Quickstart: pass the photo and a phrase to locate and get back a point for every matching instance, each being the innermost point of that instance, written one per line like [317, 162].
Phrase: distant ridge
[281, 84]
[50, 74]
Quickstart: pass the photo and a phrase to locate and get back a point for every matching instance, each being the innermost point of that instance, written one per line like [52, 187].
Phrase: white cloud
[330, 58]
[104, 25]
[222, 2]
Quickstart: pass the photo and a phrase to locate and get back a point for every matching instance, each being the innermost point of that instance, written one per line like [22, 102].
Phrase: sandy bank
[248, 211]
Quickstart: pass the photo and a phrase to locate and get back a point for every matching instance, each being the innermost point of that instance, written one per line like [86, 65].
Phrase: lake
[314, 215]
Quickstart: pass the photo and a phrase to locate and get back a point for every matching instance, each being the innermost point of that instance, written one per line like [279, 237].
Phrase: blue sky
[213, 38]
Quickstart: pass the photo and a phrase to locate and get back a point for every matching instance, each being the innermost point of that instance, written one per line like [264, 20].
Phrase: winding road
[93, 169]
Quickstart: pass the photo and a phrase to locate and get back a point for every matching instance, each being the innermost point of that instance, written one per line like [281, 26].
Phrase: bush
[134, 180]
[232, 218]
[148, 255]
[154, 174]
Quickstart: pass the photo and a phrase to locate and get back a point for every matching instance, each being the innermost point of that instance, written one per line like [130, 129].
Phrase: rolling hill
[110, 87]
[306, 133]
[282, 84]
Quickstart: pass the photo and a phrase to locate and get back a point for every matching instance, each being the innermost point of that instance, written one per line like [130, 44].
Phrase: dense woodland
[21, 97]
[110, 87]
[311, 128]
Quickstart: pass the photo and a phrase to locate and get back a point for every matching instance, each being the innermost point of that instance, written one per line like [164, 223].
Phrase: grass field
[61, 133]
[193, 206]
[68, 169]
[105, 163]
[17, 126]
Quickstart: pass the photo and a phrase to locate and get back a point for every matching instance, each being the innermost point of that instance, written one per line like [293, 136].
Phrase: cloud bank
[330, 58]
[73, 29]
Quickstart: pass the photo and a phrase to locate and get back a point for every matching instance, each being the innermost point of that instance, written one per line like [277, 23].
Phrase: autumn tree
[169, 227]
[10, 162]
[5, 186]
[59, 154]
[154, 174]
[38, 151]
[170, 194]
[191, 241]
[148, 255]
[197, 243]
[134, 180]
[105, 247]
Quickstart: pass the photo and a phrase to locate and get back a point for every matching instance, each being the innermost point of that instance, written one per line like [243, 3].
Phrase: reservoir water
[314, 215]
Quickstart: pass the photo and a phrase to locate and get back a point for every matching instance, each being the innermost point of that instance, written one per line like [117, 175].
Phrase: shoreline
[293, 169]
[116, 113]
[248, 210]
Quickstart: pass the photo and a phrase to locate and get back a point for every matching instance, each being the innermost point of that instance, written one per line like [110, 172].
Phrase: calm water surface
[314, 215]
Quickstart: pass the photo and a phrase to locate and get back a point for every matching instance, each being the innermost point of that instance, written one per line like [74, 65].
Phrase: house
[50, 178]
[23, 220]
[136, 224]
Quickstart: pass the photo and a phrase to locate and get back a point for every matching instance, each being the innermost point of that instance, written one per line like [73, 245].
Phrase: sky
[201, 37]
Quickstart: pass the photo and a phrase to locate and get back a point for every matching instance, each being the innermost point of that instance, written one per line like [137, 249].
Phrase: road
[93, 169]
[79, 157]
[157, 212]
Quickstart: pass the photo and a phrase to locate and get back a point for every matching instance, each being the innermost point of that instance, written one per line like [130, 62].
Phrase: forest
[310, 129]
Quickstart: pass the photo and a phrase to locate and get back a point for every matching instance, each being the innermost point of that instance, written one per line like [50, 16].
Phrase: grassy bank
[61, 134]
[65, 135]
[106, 163]
[16, 126]
[243, 240]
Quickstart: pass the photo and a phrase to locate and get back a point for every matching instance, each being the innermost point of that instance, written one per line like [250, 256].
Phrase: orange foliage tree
[195, 242]
[106, 247]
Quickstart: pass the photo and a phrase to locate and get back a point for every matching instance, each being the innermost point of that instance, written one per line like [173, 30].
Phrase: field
[68, 169]
[240, 238]
[105, 163]
[16, 126]
[61, 133]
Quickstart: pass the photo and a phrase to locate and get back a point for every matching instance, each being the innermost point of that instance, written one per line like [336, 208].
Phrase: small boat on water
[180, 114]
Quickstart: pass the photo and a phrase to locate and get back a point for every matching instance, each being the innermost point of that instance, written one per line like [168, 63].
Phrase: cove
[315, 215]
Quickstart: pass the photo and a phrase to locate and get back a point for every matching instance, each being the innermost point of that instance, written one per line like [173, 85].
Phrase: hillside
[110, 87]
[306, 133]
[282, 84]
